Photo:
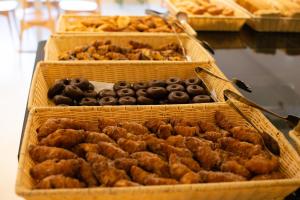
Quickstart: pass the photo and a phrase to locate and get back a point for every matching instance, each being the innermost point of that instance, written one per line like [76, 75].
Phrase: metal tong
[182, 19]
[240, 84]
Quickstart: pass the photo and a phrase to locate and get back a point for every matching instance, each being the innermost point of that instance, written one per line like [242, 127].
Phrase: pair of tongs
[240, 84]
[269, 141]
[181, 20]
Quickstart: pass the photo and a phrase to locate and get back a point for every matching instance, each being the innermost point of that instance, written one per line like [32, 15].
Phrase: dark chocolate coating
[142, 100]
[127, 100]
[157, 83]
[140, 85]
[107, 93]
[201, 99]
[157, 92]
[91, 86]
[175, 87]
[105, 101]
[141, 92]
[88, 101]
[73, 92]
[178, 97]
[173, 80]
[195, 90]
[126, 92]
[121, 85]
[90, 93]
[56, 89]
[82, 83]
[192, 81]
[60, 99]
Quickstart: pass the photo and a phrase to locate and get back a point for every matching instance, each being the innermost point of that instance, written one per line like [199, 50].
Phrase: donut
[82, 83]
[127, 100]
[90, 93]
[192, 81]
[140, 85]
[109, 100]
[107, 93]
[65, 81]
[175, 87]
[178, 97]
[163, 101]
[73, 92]
[91, 86]
[195, 90]
[201, 99]
[173, 80]
[121, 85]
[56, 89]
[157, 83]
[60, 99]
[126, 92]
[142, 100]
[157, 92]
[88, 101]
[141, 92]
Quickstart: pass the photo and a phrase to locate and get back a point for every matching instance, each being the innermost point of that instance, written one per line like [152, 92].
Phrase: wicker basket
[295, 135]
[46, 73]
[63, 20]
[258, 190]
[271, 24]
[215, 23]
[57, 44]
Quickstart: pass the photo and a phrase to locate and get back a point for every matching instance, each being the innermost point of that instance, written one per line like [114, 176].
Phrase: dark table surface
[269, 62]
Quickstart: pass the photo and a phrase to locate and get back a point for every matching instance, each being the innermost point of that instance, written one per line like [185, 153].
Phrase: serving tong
[269, 141]
[181, 20]
[240, 84]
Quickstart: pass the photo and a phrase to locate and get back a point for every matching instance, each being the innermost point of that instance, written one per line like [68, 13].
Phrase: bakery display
[112, 153]
[122, 24]
[105, 50]
[81, 92]
[204, 8]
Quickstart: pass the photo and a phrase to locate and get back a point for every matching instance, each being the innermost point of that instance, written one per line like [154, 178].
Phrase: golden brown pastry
[125, 183]
[59, 181]
[186, 131]
[152, 162]
[214, 177]
[208, 158]
[95, 137]
[215, 135]
[206, 126]
[83, 148]
[177, 169]
[42, 153]
[160, 181]
[134, 128]
[262, 164]
[190, 178]
[111, 151]
[261, 8]
[139, 175]
[115, 132]
[236, 168]
[190, 163]
[164, 131]
[86, 173]
[247, 135]
[153, 124]
[64, 138]
[132, 146]
[125, 163]
[93, 157]
[223, 122]
[176, 141]
[53, 167]
[104, 122]
[271, 176]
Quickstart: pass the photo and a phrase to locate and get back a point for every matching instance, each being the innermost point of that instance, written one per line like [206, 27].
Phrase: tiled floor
[15, 74]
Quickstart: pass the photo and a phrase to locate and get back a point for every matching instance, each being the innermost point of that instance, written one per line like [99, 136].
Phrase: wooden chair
[37, 17]
[79, 6]
[7, 9]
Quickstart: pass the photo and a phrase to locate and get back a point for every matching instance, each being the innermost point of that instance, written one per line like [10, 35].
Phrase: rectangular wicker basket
[64, 19]
[57, 44]
[271, 24]
[215, 23]
[258, 190]
[47, 72]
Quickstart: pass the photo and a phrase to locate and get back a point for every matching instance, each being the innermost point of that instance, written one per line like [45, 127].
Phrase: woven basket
[269, 24]
[214, 23]
[258, 190]
[46, 73]
[57, 44]
[63, 20]
[295, 135]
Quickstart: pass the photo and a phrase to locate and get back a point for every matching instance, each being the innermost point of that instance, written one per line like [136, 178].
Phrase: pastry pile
[105, 50]
[111, 153]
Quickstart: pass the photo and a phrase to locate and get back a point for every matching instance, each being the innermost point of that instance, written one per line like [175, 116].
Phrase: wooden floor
[15, 75]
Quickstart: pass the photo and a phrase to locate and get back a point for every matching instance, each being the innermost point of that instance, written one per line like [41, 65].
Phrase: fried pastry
[176, 141]
[186, 131]
[215, 177]
[193, 143]
[154, 124]
[152, 162]
[160, 181]
[65, 138]
[167, 150]
[190, 163]
[134, 128]
[95, 137]
[125, 163]
[125, 183]
[247, 135]
[86, 173]
[111, 151]
[82, 149]
[177, 169]
[104, 122]
[53, 167]
[59, 181]
[262, 164]
[206, 126]
[115, 132]
[236, 168]
[223, 122]
[164, 131]
[208, 158]
[132, 146]
[271, 176]
[93, 157]
[42, 153]
[139, 175]
[215, 135]
[190, 178]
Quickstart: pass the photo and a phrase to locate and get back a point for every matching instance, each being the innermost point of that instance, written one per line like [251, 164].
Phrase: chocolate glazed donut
[142, 100]
[60, 99]
[178, 97]
[157, 83]
[173, 80]
[126, 92]
[157, 92]
[140, 85]
[56, 89]
[108, 101]
[82, 83]
[201, 99]
[175, 87]
[88, 101]
[121, 85]
[107, 93]
[127, 100]
[195, 90]
[192, 81]
[73, 92]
